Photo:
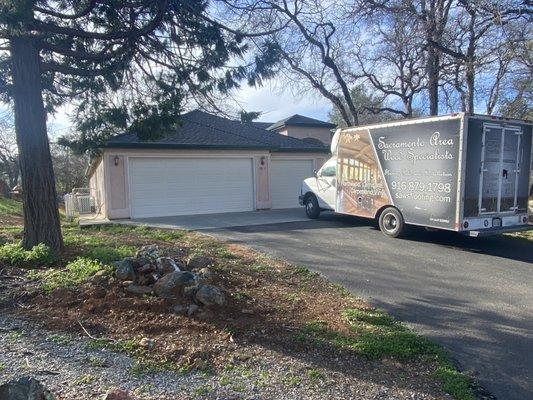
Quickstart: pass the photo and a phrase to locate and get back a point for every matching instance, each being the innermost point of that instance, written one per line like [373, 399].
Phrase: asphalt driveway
[474, 296]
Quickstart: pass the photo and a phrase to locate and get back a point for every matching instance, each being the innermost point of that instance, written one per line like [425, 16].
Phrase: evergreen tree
[124, 64]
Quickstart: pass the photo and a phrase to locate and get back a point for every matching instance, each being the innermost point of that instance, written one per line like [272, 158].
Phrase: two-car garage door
[180, 186]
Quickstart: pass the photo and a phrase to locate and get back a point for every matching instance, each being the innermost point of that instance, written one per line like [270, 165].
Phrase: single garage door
[181, 186]
[286, 180]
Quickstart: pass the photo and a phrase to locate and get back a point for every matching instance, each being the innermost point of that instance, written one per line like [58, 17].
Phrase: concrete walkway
[209, 221]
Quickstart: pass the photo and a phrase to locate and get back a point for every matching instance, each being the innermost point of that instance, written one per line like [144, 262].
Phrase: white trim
[461, 172]
[406, 122]
[500, 178]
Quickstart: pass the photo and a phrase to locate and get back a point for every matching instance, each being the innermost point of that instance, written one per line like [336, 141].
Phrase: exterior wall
[302, 132]
[97, 187]
[117, 176]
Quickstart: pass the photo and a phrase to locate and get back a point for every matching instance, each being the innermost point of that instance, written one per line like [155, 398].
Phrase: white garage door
[286, 180]
[181, 186]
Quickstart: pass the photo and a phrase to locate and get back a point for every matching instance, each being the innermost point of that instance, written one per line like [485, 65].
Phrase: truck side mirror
[315, 173]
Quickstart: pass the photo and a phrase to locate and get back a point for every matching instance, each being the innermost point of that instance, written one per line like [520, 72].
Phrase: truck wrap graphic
[361, 189]
[413, 167]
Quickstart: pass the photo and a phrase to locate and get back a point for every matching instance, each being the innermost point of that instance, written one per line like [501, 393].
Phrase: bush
[14, 254]
[74, 274]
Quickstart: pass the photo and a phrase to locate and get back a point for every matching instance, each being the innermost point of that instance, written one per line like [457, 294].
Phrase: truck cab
[318, 192]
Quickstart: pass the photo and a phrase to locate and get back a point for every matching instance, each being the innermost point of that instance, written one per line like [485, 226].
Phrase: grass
[94, 361]
[141, 231]
[16, 335]
[14, 254]
[75, 273]
[143, 364]
[315, 375]
[62, 340]
[378, 335]
[83, 380]
[10, 207]
[127, 346]
[109, 254]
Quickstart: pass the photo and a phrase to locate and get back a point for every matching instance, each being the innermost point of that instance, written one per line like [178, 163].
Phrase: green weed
[453, 382]
[74, 274]
[10, 207]
[60, 339]
[110, 254]
[315, 375]
[83, 380]
[379, 335]
[14, 254]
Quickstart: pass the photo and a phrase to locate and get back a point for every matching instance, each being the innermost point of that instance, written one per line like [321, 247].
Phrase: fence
[79, 202]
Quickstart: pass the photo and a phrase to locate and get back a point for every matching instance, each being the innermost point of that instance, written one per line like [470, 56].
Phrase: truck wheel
[391, 222]
[312, 209]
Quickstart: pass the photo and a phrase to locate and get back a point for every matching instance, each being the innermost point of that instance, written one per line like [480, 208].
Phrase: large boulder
[166, 265]
[138, 289]
[205, 274]
[25, 388]
[124, 270]
[118, 394]
[199, 262]
[150, 252]
[172, 286]
[210, 295]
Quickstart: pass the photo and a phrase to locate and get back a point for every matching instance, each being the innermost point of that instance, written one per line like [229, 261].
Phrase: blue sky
[277, 104]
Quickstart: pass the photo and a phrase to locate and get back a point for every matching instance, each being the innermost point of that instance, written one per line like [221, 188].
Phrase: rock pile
[24, 388]
[148, 273]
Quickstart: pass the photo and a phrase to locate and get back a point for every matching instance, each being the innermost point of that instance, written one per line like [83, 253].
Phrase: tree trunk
[41, 214]
[470, 83]
[433, 80]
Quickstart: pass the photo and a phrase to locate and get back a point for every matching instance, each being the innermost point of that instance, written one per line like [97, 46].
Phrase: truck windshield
[329, 168]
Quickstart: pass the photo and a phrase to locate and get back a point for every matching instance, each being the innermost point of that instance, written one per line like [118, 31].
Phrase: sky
[276, 103]
[271, 99]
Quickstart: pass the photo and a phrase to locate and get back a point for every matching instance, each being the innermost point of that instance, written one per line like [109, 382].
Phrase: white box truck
[464, 173]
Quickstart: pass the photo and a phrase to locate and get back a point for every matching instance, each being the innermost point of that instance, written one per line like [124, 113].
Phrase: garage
[286, 179]
[208, 164]
[181, 186]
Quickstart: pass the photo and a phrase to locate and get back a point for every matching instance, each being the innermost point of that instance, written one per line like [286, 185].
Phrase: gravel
[72, 370]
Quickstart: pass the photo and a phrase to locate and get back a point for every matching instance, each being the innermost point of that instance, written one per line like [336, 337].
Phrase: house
[209, 164]
[308, 129]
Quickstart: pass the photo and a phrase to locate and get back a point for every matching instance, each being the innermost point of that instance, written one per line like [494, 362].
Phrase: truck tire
[312, 209]
[391, 222]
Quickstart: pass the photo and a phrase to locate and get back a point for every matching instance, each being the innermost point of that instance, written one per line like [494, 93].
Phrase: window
[329, 168]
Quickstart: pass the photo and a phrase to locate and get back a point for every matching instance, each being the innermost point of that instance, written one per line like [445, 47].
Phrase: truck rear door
[500, 169]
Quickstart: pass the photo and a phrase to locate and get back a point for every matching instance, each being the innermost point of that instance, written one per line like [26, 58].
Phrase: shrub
[74, 274]
[14, 254]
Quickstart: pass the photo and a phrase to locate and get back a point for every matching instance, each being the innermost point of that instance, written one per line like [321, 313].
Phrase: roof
[300, 120]
[201, 130]
[262, 125]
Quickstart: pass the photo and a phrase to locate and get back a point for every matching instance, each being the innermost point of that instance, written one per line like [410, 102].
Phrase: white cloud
[276, 103]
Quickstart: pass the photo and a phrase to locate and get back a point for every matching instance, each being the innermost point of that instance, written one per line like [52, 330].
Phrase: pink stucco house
[209, 164]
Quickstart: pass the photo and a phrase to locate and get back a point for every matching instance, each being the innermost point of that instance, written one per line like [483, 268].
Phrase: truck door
[500, 168]
[327, 184]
